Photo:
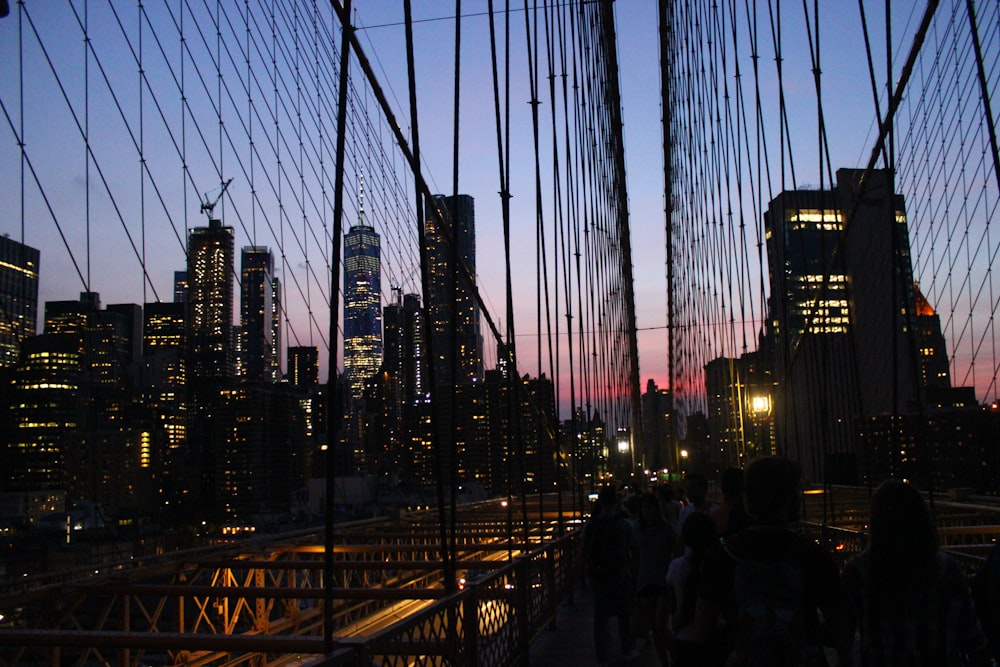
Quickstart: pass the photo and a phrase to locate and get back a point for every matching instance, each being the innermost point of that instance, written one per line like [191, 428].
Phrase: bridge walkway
[571, 641]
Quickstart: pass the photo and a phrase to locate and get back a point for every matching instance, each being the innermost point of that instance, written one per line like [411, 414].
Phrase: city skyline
[303, 273]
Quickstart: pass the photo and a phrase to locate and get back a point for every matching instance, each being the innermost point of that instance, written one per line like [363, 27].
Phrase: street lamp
[760, 405]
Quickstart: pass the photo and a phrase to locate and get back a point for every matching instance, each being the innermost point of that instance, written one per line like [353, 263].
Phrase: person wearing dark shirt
[804, 586]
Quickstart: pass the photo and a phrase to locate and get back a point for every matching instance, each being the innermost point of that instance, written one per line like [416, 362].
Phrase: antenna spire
[361, 198]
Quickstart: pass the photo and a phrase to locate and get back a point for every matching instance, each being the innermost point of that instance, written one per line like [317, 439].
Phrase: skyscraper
[809, 320]
[842, 318]
[210, 301]
[362, 305]
[257, 314]
[210, 364]
[18, 297]
[453, 310]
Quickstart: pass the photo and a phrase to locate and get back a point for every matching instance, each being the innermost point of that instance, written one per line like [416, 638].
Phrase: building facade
[256, 361]
[452, 307]
[841, 319]
[19, 266]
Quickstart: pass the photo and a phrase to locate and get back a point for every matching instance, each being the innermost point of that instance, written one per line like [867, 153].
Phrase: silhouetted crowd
[733, 583]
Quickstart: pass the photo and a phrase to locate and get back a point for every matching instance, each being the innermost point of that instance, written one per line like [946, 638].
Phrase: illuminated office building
[110, 340]
[362, 305]
[841, 318]
[18, 297]
[48, 409]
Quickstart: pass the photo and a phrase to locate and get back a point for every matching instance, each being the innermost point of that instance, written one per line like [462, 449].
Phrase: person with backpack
[910, 599]
[610, 557]
[778, 591]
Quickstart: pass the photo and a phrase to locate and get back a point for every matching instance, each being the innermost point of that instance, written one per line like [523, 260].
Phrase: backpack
[769, 602]
[603, 555]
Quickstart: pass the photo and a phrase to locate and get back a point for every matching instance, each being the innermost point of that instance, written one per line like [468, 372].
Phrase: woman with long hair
[910, 602]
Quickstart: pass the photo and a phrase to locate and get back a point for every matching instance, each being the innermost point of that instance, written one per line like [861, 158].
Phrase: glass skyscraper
[362, 305]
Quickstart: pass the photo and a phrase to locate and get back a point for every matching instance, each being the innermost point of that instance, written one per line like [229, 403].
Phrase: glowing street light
[760, 405]
[622, 444]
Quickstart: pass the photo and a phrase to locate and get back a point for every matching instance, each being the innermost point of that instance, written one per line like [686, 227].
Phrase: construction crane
[207, 206]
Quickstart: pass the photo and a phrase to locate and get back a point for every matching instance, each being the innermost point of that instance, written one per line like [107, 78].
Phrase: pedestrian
[909, 599]
[610, 552]
[682, 583]
[656, 544]
[779, 592]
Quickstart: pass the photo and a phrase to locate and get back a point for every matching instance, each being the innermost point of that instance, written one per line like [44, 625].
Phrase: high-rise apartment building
[452, 308]
[210, 301]
[18, 297]
[362, 305]
[210, 358]
[257, 350]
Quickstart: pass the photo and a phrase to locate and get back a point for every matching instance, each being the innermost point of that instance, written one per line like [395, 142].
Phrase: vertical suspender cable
[86, 132]
[333, 386]
[453, 270]
[624, 238]
[667, 59]
[424, 269]
[505, 353]
[142, 161]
